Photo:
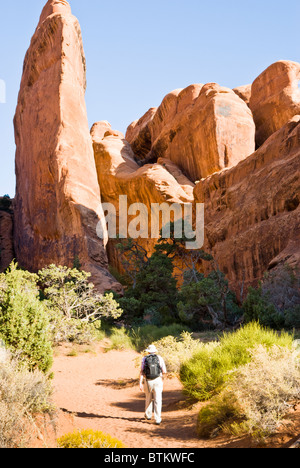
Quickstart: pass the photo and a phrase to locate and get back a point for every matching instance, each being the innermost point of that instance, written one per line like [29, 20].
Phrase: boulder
[202, 128]
[275, 98]
[58, 202]
[244, 92]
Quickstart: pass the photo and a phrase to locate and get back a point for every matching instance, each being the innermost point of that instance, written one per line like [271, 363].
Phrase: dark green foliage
[24, 325]
[207, 302]
[153, 295]
[276, 301]
[5, 203]
[154, 291]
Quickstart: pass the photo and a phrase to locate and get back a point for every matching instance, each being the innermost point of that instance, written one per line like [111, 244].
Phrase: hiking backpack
[152, 369]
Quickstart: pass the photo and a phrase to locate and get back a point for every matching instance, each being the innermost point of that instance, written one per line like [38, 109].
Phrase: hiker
[152, 369]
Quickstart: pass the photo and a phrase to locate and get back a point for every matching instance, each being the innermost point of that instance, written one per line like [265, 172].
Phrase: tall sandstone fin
[58, 202]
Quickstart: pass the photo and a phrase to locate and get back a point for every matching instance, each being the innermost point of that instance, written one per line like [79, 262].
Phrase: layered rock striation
[252, 211]
[251, 197]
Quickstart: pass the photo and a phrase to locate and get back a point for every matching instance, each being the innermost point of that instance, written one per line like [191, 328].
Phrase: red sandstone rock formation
[119, 174]
[244, 92]
[275, 98]
[252, 211]
[58, 204]
[202, 129]
[203, 132]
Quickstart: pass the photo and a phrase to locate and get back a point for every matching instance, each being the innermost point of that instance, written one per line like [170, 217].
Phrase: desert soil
[99, 390]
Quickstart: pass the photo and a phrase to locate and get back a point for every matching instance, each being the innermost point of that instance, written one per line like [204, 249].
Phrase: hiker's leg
[149, 398]
[157, 395]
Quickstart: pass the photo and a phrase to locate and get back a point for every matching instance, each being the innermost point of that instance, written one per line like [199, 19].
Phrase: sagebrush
[206, 373]
[23, 394]
[261, 393]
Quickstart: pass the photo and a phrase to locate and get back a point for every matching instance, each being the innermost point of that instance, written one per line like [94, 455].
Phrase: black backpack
[152, 369]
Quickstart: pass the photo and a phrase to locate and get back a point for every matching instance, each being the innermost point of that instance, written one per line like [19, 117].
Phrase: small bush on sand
[206, 373]
[88, 439]
[259, 396]
[176, 351]
[22, 395]
[139, 338]
[120, 339]
[143, 336]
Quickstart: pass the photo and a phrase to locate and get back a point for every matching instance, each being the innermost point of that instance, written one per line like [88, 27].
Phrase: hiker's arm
[141, 381]
[163, 368]
[142, 377]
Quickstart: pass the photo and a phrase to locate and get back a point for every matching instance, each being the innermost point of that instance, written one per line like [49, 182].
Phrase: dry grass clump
[23, 394]
[258, 397]
[176, 351]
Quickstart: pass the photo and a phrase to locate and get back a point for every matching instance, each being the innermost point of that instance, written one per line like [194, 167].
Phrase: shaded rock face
[244, 92]
[119, 174]
[6, 240]
[275, 98]
[202, 129]
[58, 204]
[252, 211]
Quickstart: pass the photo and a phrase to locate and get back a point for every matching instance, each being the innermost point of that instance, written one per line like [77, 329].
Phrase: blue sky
[138, 51]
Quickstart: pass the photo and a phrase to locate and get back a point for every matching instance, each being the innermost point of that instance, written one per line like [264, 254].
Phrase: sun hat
[151, 349]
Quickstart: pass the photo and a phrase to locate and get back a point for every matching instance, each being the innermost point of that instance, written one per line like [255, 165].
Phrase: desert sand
[99, 390]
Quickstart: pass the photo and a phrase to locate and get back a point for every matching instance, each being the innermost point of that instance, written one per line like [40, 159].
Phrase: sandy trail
[101, 392]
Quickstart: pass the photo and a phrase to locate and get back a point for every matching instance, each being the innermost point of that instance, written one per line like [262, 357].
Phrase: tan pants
[153, 391]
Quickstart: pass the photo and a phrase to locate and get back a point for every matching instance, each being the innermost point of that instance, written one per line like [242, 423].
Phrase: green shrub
[139, 338]
[143, 336]
[68, 291]
[208, 302]
[120, 339]
[212, 418]
[206, 373]
[258, 397]
[64, 329]
[24, 325]
[257, 307]
[275, 303]
[88, 439]
[177, 350]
